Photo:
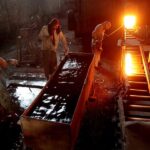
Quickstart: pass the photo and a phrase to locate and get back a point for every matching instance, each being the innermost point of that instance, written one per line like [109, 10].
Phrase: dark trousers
[49, 62]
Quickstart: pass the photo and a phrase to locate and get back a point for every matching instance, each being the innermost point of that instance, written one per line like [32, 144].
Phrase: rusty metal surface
[60, 105]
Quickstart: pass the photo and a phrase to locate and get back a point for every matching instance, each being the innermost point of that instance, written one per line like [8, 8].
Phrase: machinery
[134, 102]
[28, 46]
[137, 75]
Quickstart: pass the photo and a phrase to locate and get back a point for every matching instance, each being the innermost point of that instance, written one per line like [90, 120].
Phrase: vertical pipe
[59, 4]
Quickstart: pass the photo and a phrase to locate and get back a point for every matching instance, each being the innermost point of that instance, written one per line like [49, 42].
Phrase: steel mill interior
[74, 75]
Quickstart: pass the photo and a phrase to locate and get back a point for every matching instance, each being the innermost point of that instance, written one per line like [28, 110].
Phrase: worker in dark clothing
[97, 38]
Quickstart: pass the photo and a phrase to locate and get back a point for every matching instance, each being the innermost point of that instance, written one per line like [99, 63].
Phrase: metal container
[52, 121]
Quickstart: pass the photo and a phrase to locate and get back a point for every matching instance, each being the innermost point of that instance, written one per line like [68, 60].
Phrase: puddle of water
[23, 96]
[27, 82]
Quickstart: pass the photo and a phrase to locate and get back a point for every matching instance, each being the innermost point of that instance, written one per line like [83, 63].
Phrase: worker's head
[53, 25]
[3, 63]
[107, 25]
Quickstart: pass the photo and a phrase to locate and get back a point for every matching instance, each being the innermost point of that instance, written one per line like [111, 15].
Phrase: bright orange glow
[129, 22]
[128, 64]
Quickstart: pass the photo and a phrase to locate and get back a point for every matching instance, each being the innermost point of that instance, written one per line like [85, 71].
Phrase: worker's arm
[3, 63]
[43, 33]
[113, 32]
[64, 41]
[106, 35]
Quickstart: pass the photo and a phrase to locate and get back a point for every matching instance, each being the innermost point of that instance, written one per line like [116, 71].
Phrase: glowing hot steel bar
[132, 65]
[128, 64]
[52, 121]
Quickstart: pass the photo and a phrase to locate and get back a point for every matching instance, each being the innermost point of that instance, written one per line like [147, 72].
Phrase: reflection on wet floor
[23, 89]
[22, 95]
[28, 82]
[27, 75]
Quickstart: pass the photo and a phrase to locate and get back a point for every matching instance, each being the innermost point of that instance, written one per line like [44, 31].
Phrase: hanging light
[129, 21]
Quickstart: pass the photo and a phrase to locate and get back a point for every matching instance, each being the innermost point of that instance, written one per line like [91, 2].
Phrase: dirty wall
[19, 13]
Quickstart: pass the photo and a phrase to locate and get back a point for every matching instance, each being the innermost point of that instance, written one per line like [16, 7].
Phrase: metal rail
[136, 101]
[146, 69]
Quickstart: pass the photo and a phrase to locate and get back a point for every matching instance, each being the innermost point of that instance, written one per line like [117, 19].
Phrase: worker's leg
[46, 57]
[97, 49]
[96, 58]
[53, 62]
[100, 53]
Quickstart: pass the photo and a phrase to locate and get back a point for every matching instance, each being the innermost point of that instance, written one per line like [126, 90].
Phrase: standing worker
[97, 38]
[50, 35]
